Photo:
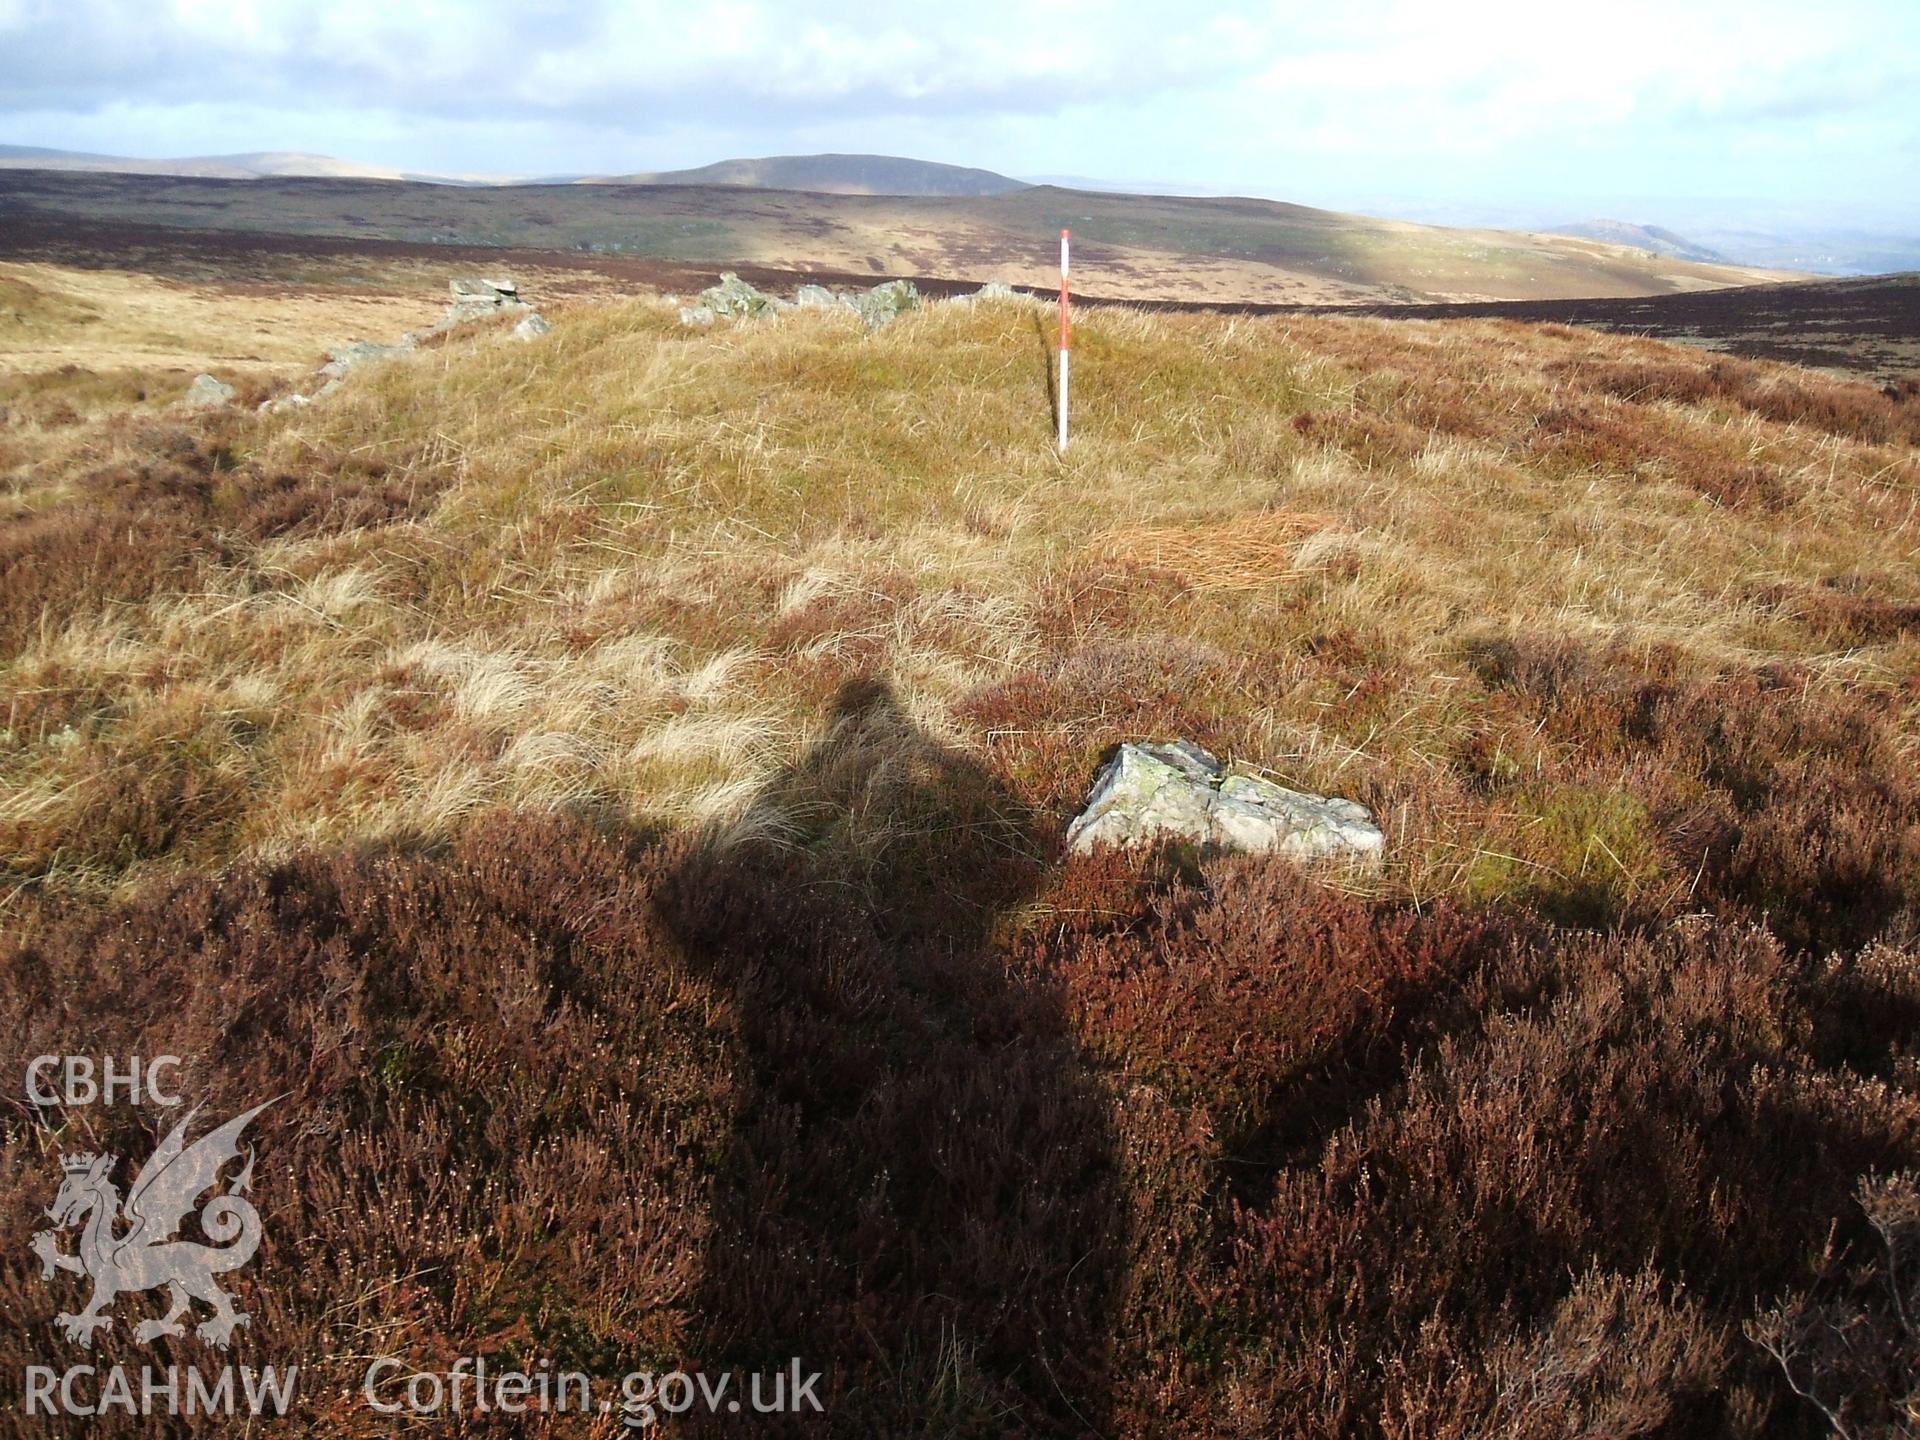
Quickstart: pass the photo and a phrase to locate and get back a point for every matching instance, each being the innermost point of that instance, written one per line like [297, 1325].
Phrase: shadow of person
[1048, 367]
[920, 1195]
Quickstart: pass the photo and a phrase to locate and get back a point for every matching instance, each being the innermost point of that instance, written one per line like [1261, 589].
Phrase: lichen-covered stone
[992, 290]
[1179, 791]
[206, 392]
[532, 327]
[887, 302]
[477, 299]
[816, 297]
[486, 288]
[734, 296]
[362, 352]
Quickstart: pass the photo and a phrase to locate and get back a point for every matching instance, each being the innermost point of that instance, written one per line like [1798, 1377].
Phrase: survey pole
[1066, 348]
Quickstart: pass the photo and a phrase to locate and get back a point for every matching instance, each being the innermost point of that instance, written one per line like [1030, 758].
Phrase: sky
[1478, 108]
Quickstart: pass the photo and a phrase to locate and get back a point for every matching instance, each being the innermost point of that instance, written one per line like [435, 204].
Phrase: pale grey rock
[1179, 791]
[362, 352]
[532, 327]
[734, 296]
[475, 299]
[293, 401]
[482, 291]
[992, 291]
[206, 392]
[885, 303]
[1186, 757]
[1143, 792]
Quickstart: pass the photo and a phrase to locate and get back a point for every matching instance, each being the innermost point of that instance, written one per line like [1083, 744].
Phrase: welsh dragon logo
[146, 1255]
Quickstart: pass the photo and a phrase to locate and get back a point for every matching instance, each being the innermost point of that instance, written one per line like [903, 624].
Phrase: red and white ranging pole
[1065, 348]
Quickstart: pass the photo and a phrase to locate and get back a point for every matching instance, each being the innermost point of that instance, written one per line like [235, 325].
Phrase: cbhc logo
[76, 1080]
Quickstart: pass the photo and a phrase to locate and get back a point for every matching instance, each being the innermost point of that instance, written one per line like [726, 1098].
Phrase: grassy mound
[614, 784]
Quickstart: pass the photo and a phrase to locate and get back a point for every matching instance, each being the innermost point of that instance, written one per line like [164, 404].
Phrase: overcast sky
[1496, 104]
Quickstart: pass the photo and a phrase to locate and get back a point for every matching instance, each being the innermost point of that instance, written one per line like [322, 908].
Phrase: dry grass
[624, 567]
[1244, 552]
[116, 320]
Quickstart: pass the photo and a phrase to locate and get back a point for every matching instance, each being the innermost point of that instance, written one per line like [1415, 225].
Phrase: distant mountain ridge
[1642, 237]
[251, 165]
[1130, 247]
[823, 174]
[833, 175]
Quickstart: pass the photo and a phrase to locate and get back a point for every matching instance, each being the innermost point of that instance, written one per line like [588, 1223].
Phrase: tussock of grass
[630, 562]
[1252, 551]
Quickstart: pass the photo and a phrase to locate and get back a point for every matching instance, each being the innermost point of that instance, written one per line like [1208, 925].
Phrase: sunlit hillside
[1139, 247]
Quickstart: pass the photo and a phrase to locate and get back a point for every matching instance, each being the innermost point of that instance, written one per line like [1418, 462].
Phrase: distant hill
[824, 174]
[1836, 251]
[834, 175]
[252, 165]
[1643, 237]
[1128, 247]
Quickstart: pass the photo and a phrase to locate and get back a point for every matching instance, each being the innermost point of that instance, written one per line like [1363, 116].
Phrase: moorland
[612, 786]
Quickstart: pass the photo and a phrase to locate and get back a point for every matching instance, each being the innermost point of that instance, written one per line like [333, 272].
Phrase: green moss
[1580, 855]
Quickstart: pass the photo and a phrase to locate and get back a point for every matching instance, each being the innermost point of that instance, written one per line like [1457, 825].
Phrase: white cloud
[606, 56]
[1502, 95]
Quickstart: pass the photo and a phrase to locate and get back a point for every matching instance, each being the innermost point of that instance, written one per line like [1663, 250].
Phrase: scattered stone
[532, 327]
[206, 392]
[477, 299]
[734, 296]
[992, 290]
[1179, 791]
[362, 352]
[885, 303]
